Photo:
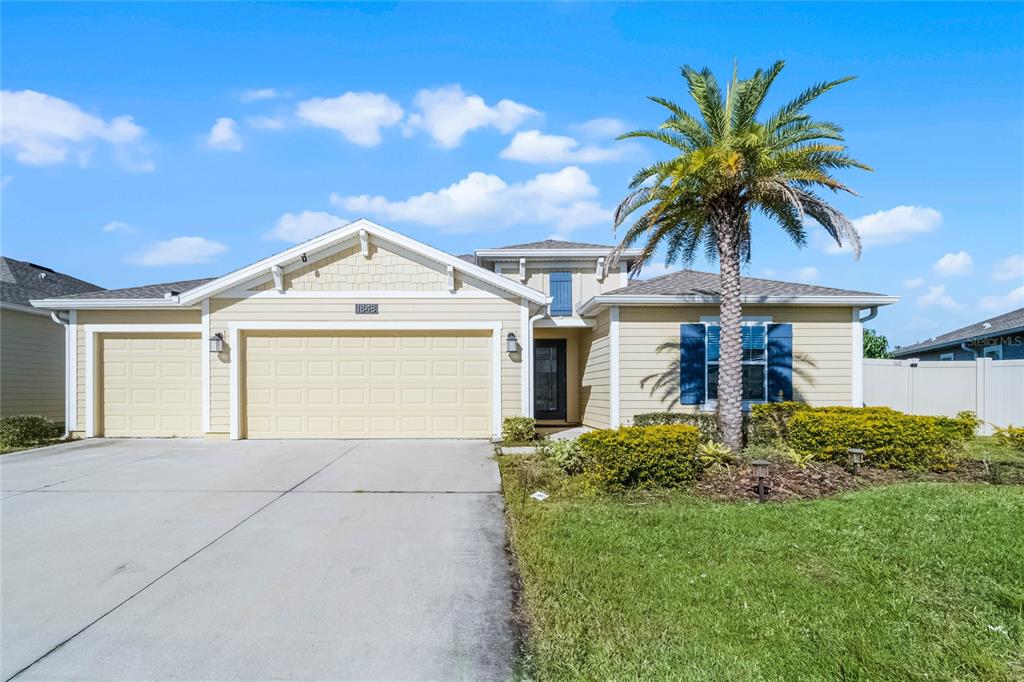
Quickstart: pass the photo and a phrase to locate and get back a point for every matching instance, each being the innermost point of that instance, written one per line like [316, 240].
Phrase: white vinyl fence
[992, 389]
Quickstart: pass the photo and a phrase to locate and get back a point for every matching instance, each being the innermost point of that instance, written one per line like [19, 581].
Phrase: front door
[549, 379]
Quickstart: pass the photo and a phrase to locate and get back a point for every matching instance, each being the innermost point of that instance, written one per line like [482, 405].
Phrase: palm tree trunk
[730, 360]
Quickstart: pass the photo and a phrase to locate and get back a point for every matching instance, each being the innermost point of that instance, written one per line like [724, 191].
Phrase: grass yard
[917, 581]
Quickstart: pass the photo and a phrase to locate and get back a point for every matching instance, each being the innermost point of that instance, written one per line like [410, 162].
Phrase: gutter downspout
[871, 315]
[68, 349]
[971, 350]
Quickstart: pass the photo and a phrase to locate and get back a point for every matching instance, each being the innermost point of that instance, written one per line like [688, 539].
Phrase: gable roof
[695, 287]
[22, 281]
[1000, 324]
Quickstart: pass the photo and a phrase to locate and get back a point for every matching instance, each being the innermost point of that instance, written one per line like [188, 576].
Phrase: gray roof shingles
[147, 291]
[695, 283]
[21, 281]
[554, 244]
[1000, 323]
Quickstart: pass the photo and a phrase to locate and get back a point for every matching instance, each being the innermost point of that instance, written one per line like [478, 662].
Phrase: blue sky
[147, 143]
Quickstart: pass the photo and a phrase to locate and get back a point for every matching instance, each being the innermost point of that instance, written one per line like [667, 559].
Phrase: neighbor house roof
[551, 244]
[694, 287]
[1000, 324]
[21, 281]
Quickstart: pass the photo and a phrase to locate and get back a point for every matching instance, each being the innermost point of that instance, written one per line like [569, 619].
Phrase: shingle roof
[555, 244]
[695, 283]
[1000, 323]
[21, 281]
[147, 291]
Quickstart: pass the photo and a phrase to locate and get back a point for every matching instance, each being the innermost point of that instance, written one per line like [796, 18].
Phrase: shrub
[566, 454]
[890, 439]
[706, 422]
[643, 457]
[518, 429]
[1012, 436]
[769, 422]
[21, 431]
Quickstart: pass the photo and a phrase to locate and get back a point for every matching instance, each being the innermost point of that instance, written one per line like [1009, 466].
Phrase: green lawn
[890, 583]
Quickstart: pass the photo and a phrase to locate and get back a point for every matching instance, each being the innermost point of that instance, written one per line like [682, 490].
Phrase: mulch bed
[787, 481]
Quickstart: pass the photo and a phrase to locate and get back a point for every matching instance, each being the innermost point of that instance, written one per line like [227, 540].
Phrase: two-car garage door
[367, 385]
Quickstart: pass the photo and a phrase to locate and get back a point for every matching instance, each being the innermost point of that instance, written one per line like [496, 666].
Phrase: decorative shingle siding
[348, 270]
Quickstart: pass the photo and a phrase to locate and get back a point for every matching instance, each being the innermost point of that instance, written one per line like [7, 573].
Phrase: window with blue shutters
[755, 361]
[561, 291]
[767, 362]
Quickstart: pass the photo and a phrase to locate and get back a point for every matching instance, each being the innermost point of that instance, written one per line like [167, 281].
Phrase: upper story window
[561, 291]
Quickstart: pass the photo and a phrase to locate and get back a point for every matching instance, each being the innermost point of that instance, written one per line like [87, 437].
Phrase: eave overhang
[593, 304]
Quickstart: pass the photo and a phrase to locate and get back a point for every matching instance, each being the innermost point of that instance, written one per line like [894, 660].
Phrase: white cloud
[118, 226]
[1011, 267]
[358, 116]
[808, 274]
[600, 128]
[224, 136]
[257, 94]
[178, 251]
[913, 282]
[481, 202]
[954, 264]
[1010, 300]
[298, 227]
[892, 226]
[265, 122]
[448, 113]
[45, 130]
[533, 146]
[937, 297]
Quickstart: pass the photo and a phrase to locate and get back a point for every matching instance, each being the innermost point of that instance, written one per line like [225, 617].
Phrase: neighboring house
[32, 344]
[363, 332]
[1000, 338]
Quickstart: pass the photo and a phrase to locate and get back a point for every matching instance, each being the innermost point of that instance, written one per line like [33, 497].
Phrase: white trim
[857, 358]
[327, 240]
[235, 330]
[492, 254]
[91, 330]
[278, 273]
[997, 347]
[614, 418]
[14, 307]
[205, 350]
[567, 322]
[450, 274]
[662, 300]
[107, 303]
[364, 243]
[525, 353]
[522, 271]
[715, 319]
[241, 292]
[73, 372]
[599, 272]
[623, 273]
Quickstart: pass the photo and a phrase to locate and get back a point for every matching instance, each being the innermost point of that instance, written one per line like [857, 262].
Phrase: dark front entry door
[549, 379]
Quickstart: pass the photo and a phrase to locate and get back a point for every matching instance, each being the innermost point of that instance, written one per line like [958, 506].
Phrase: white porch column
[857, 360]
[613, 358]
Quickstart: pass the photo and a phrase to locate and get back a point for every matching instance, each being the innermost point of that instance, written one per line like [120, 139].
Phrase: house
[32, 344]
[1000, 338]
[364, 332]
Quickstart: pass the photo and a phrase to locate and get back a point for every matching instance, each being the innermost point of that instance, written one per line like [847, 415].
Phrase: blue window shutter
[691, 364]
[561, 290]
[780, 362]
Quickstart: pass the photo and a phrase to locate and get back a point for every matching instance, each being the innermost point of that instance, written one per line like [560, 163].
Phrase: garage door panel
[151, 385]
[329, 384]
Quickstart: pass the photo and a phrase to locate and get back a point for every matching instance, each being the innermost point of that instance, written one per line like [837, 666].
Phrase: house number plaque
[366, 309]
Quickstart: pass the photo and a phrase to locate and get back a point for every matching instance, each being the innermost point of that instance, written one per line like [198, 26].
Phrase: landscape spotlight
[761, 471]
[856, 458]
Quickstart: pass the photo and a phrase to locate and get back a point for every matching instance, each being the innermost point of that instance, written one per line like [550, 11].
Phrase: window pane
[712, 382]
[753, 382]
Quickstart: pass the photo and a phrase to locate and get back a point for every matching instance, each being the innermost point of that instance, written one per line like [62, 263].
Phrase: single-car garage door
[360, 385]
[151, 385]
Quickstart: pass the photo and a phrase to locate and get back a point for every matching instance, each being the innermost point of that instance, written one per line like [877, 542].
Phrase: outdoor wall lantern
[761, 472]
[856, 458]
[511, 343]
[217, 343]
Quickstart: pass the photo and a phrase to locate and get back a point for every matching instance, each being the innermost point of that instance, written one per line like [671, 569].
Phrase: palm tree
[729, 163]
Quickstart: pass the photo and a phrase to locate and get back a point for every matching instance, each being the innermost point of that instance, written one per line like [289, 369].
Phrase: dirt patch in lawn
[788, 481]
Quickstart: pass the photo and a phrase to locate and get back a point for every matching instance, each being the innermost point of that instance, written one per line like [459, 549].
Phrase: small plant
[715, 451]
[566, 454]
[801, 459]
[518, 429]
[1011, 436]
[21, 431]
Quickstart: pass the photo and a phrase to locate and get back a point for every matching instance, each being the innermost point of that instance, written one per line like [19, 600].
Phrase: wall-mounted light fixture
[511, 343]
[217, 342]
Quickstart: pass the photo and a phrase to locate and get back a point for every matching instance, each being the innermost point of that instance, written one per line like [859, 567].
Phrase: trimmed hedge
[1012, 436]
[643, 457]
[21, 431]
[890, 439]
[706, 422]
[518, 429]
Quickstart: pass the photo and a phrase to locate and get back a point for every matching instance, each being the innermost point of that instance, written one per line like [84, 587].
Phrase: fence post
[981, 393]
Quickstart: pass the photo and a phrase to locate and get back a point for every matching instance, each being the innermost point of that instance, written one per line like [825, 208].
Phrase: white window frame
[946, 357]
[995, 351]
[747, 321]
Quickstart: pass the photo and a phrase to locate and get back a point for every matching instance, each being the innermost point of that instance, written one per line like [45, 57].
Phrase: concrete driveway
[152, 559]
